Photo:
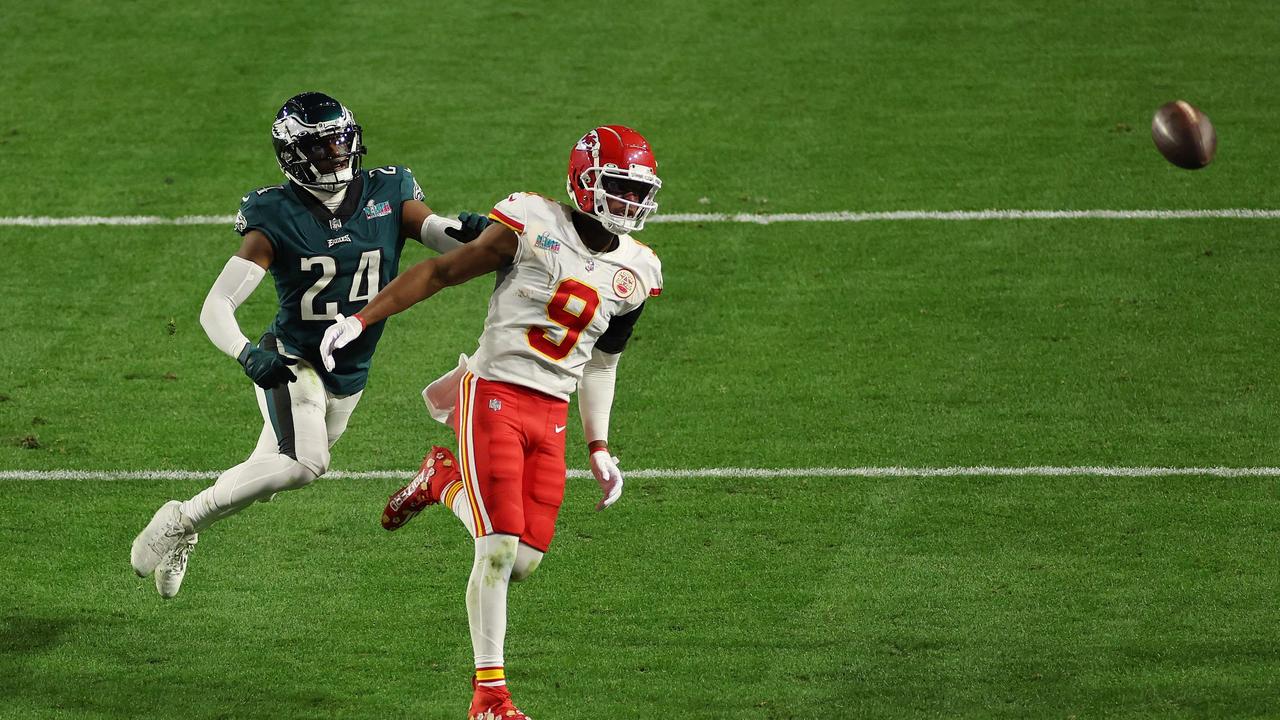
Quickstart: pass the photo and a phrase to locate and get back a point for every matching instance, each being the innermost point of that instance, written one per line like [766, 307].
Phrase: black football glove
[472, 225]
[267, 369]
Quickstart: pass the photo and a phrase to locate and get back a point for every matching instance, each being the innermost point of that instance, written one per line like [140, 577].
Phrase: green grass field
[1114, 343]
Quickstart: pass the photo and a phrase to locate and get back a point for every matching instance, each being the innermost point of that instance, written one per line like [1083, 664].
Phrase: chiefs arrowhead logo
[589, 141]
[624, 283]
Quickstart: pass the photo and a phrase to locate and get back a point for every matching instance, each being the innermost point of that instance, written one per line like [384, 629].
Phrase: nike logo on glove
[560, 428]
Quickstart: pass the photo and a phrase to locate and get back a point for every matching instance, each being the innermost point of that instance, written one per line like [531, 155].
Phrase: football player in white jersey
[571, 283]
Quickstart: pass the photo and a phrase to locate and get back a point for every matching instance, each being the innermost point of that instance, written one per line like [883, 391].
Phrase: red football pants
[511, 449]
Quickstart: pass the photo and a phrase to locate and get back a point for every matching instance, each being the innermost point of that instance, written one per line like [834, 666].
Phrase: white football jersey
[557, 297]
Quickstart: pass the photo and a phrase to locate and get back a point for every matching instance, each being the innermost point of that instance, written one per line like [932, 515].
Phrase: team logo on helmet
[589, 142]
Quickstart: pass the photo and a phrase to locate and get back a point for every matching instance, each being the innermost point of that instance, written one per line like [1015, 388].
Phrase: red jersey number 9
[560, 312]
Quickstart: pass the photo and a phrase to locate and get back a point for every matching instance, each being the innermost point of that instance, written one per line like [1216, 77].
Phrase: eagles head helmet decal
[317, 141]
[613, 177]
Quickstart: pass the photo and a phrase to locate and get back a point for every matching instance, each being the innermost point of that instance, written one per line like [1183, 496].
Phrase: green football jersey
[331, 262]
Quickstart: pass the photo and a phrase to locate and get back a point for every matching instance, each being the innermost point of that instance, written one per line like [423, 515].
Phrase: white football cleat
[167, 529]
[173, 567]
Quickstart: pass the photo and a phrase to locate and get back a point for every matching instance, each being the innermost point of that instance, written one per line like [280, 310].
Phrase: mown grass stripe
[677, 473]
[752, 218]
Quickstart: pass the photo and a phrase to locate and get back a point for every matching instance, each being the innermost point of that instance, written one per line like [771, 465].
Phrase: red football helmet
[613, 166]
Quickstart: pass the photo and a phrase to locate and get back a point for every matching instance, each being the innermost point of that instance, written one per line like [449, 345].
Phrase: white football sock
[487, 597]
[460, 504]
[257, 478]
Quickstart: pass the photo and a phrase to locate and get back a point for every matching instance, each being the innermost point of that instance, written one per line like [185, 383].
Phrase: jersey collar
[355, 190]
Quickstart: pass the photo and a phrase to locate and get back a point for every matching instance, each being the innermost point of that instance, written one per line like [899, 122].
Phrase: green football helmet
[317, 141]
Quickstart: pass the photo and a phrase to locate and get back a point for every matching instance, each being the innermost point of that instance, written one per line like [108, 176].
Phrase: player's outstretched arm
[439, 233]
[494, 249]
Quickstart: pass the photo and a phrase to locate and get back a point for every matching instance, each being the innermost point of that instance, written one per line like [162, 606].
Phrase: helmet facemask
[622, 199]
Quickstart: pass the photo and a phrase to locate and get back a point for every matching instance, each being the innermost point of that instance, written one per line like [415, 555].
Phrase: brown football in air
[1184, 135]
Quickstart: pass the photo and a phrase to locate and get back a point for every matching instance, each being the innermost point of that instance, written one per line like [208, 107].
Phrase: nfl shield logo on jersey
[335, 224]
[495, 404]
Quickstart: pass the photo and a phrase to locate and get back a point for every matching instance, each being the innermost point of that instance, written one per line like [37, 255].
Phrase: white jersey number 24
[364, 285]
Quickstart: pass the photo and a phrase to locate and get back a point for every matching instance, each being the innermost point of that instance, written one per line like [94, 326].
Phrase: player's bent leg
[528, 559]
[257, 479]
[264, 474]
[436, 478]
[292, 451]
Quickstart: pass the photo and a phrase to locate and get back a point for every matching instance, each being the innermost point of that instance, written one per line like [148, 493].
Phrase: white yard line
[964, 215]
[752, 218]
[760, 219]
[692, 473]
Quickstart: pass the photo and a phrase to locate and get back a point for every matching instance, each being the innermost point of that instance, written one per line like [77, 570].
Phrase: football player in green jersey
[331, 237]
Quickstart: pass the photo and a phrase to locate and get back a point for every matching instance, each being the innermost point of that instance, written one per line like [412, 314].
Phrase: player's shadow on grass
[22, 636]
[74, 679]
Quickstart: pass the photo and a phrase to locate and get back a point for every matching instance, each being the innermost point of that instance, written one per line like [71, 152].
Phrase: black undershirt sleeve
[615, 337]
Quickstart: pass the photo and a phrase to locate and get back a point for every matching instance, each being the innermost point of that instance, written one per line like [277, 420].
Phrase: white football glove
[605, 467]
[337, 336]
